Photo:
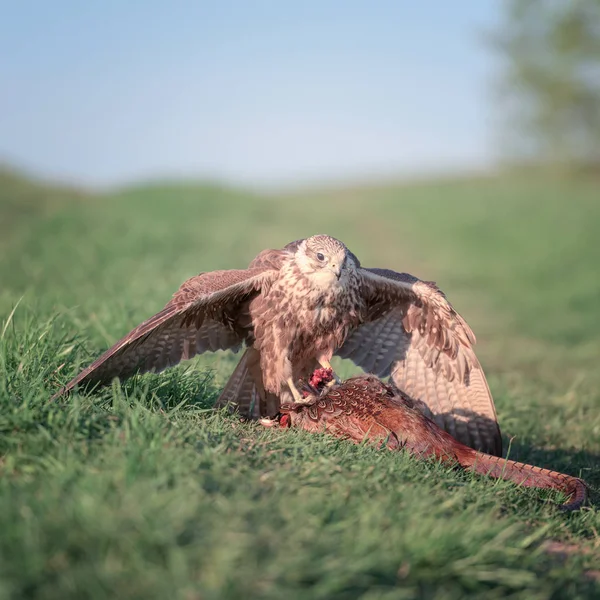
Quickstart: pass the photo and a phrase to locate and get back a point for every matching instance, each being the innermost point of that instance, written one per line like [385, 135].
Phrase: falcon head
[325, 260]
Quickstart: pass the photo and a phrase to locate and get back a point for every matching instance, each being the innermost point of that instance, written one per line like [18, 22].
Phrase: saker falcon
[294, 309]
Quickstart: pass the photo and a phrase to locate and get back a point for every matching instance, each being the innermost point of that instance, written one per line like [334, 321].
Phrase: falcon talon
[296, 395]
[306, 400]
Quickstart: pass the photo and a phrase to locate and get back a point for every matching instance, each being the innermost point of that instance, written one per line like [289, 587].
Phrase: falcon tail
[244, 391]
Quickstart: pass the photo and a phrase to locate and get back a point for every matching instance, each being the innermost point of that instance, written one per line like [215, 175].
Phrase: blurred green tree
[550, 83]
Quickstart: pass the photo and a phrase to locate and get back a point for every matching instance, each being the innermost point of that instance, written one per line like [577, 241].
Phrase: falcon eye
[320, 256]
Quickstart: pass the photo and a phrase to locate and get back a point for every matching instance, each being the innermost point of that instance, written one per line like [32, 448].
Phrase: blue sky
[248, 91]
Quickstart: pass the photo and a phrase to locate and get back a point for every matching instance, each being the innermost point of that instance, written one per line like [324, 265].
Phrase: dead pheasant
[365, 408]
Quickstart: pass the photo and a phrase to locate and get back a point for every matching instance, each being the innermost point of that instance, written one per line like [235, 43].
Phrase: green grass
[142, 491]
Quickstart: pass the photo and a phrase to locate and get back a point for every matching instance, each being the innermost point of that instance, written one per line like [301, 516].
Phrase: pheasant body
[365, 408]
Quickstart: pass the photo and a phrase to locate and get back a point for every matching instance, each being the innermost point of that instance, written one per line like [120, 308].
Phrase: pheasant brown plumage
[364, 408]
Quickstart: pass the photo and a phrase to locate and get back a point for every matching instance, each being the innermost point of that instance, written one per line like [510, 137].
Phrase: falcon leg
[327, 365]
[298, 399]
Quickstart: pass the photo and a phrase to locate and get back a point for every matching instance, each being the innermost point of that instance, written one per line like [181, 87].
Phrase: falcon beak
[337, 269]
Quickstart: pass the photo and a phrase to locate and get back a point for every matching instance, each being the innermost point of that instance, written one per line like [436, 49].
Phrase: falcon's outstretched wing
[208, 312]
[413, 334]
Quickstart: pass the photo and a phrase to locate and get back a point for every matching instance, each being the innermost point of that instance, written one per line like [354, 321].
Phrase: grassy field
[142, 491]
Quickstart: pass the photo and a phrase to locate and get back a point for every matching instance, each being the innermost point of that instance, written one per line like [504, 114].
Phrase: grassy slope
[139, 491]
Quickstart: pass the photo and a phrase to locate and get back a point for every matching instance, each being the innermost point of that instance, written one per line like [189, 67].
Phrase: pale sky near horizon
[257, 91]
